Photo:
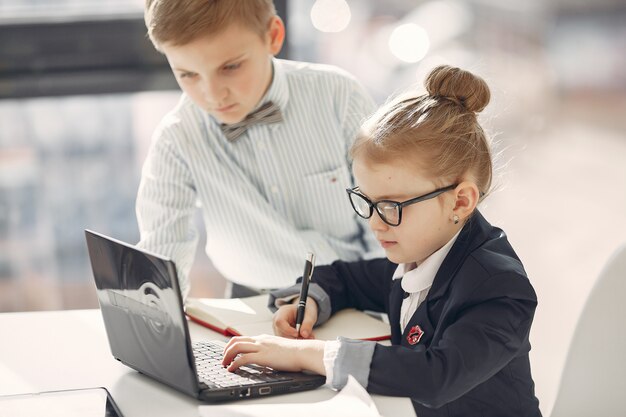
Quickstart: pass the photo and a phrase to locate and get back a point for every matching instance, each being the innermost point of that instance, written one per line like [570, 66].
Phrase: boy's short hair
[178, 22]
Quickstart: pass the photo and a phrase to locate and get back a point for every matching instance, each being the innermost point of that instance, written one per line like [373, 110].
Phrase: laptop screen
[142, 310]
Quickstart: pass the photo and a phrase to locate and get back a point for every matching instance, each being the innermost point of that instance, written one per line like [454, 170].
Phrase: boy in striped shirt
[258, 143]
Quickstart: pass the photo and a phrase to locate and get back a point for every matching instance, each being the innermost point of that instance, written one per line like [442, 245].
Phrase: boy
[269, 191]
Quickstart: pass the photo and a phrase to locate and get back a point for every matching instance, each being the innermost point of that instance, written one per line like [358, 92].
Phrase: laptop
[143, 315]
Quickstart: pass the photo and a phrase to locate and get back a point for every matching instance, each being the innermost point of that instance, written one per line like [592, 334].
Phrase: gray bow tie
[267, 113]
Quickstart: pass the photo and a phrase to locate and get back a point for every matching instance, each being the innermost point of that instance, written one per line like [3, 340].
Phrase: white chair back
[594, 377]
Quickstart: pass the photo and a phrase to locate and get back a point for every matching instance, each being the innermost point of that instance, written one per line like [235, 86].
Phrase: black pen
[306, 278]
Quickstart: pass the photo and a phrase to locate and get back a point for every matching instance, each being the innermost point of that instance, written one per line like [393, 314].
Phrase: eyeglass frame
[399, 204]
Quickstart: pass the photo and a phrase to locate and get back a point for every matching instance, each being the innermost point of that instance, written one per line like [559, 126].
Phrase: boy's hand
[276, 352]
[284, 322]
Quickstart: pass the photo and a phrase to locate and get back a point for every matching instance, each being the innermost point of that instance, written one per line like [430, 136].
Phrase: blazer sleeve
[483, 339]
[363, 285]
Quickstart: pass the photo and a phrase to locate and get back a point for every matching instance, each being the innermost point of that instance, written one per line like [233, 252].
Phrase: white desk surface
[54, 350]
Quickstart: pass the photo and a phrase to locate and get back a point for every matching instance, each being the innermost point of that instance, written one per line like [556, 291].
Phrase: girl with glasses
[459, 303]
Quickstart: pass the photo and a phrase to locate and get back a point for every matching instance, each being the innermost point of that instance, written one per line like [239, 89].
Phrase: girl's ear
[467, 196]
[276, 34]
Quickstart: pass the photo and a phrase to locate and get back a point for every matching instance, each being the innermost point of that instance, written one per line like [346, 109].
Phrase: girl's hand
[276, 352]
[284, 322]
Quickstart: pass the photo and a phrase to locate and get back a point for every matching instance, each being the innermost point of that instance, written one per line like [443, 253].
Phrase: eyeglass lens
[361, 206]
[390, 212]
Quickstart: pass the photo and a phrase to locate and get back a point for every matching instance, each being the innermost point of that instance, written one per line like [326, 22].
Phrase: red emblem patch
[415, 334]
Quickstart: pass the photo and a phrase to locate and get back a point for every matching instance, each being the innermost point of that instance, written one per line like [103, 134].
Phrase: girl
[459, 303]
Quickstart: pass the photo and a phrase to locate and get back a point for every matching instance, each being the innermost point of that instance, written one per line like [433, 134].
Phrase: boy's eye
[187, 75]
[231, 67]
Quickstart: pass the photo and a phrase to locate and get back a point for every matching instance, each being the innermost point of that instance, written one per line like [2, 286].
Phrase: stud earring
[455, 218]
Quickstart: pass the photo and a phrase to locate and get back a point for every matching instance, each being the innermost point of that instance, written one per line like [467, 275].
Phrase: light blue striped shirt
[267, 198]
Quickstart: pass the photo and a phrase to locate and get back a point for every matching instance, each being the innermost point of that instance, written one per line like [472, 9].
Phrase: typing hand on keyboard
[276, 352]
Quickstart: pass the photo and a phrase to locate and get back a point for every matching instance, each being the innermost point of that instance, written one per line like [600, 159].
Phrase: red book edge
[230, 332]
[226, 332]
[378, 338]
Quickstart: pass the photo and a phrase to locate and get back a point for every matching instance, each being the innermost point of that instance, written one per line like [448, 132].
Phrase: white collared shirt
[416, 281]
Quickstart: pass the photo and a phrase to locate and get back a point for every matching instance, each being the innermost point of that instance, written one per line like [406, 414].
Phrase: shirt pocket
[325, 205]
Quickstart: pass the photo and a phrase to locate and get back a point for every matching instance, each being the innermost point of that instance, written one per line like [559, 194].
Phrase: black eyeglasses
[389, 211]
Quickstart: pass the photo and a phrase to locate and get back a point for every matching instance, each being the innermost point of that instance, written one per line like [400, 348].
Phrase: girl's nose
[376, 223]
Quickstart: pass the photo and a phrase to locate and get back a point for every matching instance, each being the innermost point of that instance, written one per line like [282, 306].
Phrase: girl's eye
[187, 75]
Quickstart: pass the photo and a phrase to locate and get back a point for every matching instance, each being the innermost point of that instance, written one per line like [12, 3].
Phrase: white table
[54, 350]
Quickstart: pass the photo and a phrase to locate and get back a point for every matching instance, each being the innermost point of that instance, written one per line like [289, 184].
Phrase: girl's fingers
[242, 360]
[284, 329]
[236, 348]
[236, 339]
[283, 323]
[310, 317]
[307, 325]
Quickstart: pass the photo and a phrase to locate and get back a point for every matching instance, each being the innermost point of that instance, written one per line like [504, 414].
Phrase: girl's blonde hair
[437, 132]
[179, 22]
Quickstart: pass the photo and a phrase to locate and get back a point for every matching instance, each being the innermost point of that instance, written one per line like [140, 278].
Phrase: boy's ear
[467, 196]
[276, 34]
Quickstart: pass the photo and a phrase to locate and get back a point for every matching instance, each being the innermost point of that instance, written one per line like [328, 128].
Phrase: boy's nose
[215, 92]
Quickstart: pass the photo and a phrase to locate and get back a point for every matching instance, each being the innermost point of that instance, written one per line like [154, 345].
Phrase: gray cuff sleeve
[315, 292]
[354, 358]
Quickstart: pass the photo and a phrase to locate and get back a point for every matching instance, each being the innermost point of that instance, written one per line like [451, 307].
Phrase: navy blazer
[472, 357]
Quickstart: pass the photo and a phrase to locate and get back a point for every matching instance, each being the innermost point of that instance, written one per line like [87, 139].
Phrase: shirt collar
[416, 279]
[278, 92]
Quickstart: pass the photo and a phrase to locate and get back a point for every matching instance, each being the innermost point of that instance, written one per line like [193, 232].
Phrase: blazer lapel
[474, 234]
[419, 330]
[395, 303]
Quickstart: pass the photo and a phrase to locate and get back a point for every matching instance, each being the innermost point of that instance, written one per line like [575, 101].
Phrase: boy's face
[227, 73]
[425, 226]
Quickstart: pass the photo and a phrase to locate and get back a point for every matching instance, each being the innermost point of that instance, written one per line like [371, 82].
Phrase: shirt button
[262, 146]
[274, 189]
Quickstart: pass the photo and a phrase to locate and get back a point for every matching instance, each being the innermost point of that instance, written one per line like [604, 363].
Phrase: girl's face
[425, 227]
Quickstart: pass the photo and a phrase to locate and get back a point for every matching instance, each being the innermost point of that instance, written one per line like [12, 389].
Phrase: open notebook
[250, 316]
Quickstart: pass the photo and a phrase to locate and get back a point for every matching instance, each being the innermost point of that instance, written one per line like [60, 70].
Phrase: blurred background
[81, 90]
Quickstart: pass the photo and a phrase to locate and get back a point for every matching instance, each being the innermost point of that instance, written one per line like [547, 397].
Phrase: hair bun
[459, 86]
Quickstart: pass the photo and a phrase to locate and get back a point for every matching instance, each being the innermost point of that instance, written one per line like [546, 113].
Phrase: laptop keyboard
[212, 374]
